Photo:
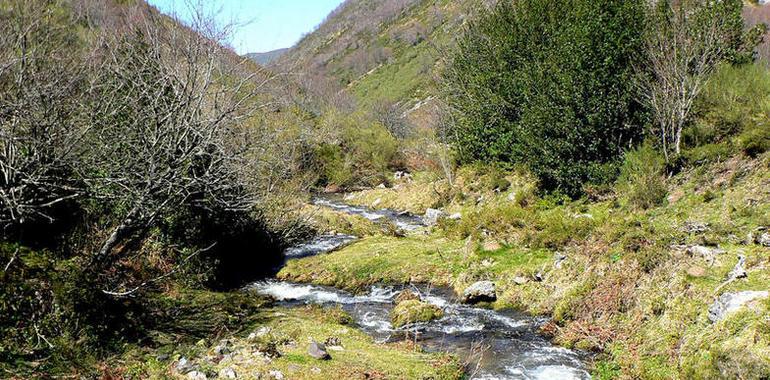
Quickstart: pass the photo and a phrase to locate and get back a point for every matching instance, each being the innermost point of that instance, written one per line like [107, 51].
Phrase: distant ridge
[266, 57]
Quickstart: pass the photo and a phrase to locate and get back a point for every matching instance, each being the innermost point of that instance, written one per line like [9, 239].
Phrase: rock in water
[406, 295]
[481, 291]
[414, 311]
[731, 302]
[432, 216]
[318, 351]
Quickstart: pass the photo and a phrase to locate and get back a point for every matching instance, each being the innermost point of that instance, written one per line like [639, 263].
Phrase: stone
[707, 253]
[261, 332]
[512, 196]
[292, 368]
[491, 245]
[227, 373]
[432, 216]
[696, 271]
[196, 375]
[183, 365]
[486, 263]
[275, 374]
[315, 370]
[222, 348]
[763, 239]
[318, 351]
[728, 303]
[332, 341]
[738, 271]
[695, 227]
[558, 259]
[376, 202]
[331, 189]
[481, 291]
[406, 295]
[455, 216]
[381, 186]
[520, 280]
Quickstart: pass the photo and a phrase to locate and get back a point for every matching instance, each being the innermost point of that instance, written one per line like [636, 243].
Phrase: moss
[414, 311]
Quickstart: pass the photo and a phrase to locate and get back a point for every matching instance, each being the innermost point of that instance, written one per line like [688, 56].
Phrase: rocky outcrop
[730, 302]
[481, 291]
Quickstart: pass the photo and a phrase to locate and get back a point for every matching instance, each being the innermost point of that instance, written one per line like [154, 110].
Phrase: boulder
[414, 311]
[196, 375]
[227, 373]
[432, 216]
[318, 351]
[728, 303]
[481, 291]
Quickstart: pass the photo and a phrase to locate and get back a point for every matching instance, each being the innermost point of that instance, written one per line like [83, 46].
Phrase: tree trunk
[117, 234]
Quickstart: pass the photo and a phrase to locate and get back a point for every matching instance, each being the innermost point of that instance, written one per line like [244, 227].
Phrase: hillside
[380, 53]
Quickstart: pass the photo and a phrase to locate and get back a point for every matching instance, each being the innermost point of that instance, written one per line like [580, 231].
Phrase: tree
[42, 84]
[684, 42]
[548, 84]
[167, 103]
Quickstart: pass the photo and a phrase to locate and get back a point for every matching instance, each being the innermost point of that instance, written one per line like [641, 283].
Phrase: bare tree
[687, 40]
[41, 80]
[167, 103]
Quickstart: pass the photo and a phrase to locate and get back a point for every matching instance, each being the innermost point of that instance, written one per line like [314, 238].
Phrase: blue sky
[264, 24]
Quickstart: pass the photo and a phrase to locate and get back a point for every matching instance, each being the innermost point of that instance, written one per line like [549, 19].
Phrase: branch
[159, 278]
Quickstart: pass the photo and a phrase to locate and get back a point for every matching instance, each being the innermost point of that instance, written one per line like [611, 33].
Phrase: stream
[499, 344]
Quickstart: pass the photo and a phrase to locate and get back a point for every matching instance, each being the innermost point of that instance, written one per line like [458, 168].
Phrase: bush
[735, 99]
[548, 84]
[641, 180]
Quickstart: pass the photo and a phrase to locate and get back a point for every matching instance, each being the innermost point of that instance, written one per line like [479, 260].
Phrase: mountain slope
[266, 57]
[383, 54]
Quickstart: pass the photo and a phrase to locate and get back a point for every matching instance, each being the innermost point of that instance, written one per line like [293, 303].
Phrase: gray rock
[738, 271]
[196, 375]
[558, 258]
[520, 280]
[318, 351]
[183, 365]
[695, 227]
[763, 239]
[227, 373]
[275, 374]
[730, 302]
[222, 348]
[707, 253]
[455, 216]
[432, 216]
[481, 291]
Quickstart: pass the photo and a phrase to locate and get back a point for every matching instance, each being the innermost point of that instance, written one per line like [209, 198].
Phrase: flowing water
[500, 345]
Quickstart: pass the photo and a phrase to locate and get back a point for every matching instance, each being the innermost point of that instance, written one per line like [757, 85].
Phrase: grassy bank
[617, 278]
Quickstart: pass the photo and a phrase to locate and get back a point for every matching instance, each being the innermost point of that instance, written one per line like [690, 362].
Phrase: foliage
[642, 182]
[548, 84]
[360, 153]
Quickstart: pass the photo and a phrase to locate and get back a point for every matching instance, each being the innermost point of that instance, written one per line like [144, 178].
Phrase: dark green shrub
[548, 84]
